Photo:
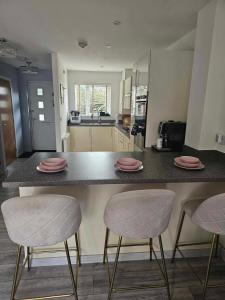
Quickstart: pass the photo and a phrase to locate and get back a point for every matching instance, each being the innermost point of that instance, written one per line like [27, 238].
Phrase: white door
[42, 115]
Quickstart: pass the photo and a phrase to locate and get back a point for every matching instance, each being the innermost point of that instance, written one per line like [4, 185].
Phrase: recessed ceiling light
[116, 22]
[108, 46]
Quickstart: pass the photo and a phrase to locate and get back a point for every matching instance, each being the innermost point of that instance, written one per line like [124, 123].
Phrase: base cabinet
[102, 139]
[93, 138]
[80, 139]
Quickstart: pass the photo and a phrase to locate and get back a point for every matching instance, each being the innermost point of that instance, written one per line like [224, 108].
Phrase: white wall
[61, 105]
[170, 77]
[186, 42]
[91, 77]
[207, 96]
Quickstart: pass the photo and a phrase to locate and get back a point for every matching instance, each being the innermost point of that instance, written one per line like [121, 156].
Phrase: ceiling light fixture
[108, 46]
[116, 22]
[6, 50]
[82, 43]
[28, 68]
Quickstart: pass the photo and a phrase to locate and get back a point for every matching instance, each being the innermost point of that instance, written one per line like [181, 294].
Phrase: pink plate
[200, 167]
[129, 171]
[40, 169]
[52, 167]
[189, 159]
[179, 162]
[133, 167]
[127, 161]
[54, 161]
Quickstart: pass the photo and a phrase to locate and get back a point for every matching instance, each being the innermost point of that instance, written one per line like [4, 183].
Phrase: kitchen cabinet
[80, 138]
[121, 97]
[102, 138]
[99, 138]
[91, 138]
[121, 142]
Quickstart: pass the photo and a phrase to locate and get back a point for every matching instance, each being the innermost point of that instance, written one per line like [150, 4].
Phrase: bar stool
[188, 209]
[209, 215]
[39, 221]
[142, 214]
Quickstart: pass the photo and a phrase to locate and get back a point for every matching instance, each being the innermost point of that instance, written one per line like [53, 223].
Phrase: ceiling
[39, 27]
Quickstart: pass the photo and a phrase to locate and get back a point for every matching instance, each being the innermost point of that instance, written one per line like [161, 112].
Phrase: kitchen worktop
[98, 168]
[104, 122]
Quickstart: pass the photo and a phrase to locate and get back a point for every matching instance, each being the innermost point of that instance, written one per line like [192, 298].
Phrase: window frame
[108, 102]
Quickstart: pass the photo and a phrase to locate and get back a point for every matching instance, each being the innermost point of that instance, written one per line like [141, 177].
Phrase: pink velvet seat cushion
[139, 214]
[41, 220]
[210, 215]
[190, 206]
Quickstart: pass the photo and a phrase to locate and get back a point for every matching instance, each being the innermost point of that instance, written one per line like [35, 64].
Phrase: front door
[42, 114]
[7, 128]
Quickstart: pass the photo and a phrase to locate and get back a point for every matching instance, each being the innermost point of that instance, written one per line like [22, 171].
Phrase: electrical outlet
[220, 139]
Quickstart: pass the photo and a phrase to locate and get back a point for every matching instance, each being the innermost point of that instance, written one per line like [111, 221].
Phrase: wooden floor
[93, 277]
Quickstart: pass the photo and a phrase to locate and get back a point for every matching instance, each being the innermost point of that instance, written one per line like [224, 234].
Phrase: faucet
[99, 117]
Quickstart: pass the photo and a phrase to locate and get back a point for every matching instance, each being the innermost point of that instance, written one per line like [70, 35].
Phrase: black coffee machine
[172, 135]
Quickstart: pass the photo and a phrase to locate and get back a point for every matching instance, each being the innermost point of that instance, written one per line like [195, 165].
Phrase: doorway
[42, 115]
[7, 129]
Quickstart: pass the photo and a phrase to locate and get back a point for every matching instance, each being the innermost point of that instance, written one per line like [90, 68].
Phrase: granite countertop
[98, 168]
[104, 122]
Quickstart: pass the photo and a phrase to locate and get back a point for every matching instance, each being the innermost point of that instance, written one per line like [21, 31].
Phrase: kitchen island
[92, 178]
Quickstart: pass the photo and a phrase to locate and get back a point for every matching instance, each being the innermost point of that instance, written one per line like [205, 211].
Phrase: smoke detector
[6, 50]
[28, 68]
[82, 43]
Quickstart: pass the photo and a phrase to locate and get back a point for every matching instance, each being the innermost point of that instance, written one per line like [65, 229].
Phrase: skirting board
[85, 259]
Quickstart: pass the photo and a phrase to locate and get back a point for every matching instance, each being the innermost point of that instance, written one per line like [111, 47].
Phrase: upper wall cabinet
[127, 93]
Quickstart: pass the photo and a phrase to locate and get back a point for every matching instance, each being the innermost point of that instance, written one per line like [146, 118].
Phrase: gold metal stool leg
[115, 268]
[71, 270]
[164, 267]
[150, 246]
[106, 244]
[16, 273]
[78, 249]
[217, 245]
[209, 265]
[178, 235]
[28, 259]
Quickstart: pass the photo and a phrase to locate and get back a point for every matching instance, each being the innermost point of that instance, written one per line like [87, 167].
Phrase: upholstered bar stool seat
[141, 214]
[39, 221]
[190, 206]
[209, 215]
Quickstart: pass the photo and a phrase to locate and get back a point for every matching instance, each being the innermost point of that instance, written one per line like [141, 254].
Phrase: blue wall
[43, 75]
[9, 72]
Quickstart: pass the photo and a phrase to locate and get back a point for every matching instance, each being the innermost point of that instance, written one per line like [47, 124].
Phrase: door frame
[2, 146]
[29, 106]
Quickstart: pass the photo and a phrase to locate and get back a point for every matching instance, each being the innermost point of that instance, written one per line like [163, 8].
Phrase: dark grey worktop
[98, 168]
[105, 123]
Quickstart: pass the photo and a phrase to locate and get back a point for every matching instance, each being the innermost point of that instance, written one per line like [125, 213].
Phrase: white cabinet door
[80, 138]
[102, 138]
[121, 96]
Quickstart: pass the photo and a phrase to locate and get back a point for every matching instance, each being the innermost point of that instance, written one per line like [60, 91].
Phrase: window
[40, 92]
[90, 99]
[41, 117]
[40, 104]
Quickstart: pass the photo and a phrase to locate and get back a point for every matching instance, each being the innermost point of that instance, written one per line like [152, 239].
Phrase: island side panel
[93, 199]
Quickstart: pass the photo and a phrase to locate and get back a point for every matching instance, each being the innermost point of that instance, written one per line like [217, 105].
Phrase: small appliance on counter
[171, 136]
[75, 117]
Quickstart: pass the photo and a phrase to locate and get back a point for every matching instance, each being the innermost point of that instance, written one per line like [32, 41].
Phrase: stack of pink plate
[189, 163]
[52, 165]
[128, 164]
